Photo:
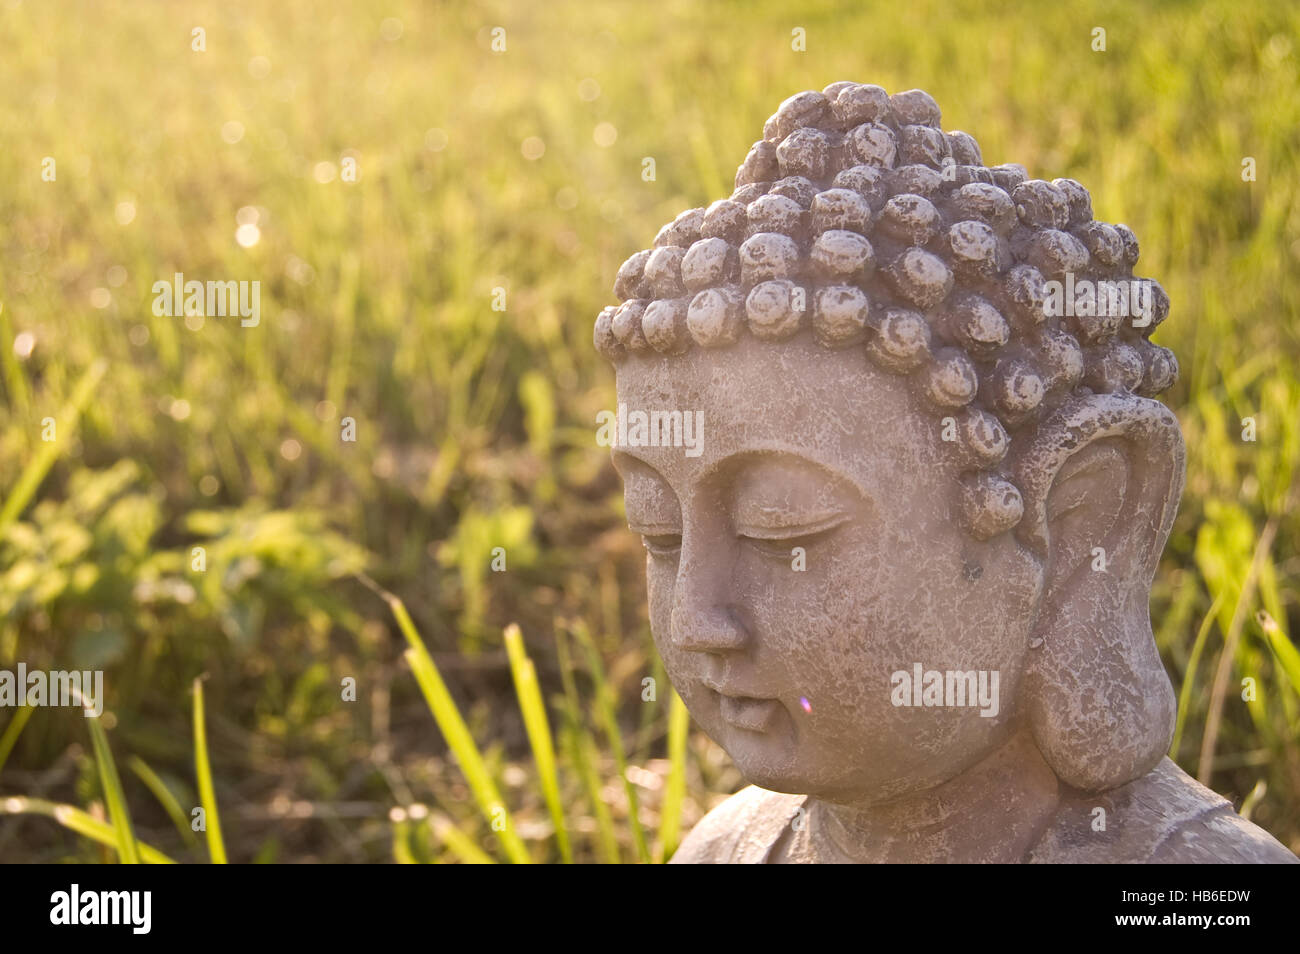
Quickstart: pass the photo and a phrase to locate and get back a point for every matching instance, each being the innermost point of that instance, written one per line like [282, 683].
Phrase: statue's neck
[995, 811]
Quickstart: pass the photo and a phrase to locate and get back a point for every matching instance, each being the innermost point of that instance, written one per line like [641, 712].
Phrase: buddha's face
[805, 552]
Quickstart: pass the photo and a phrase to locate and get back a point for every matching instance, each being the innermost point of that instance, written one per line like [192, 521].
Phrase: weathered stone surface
[910, 445]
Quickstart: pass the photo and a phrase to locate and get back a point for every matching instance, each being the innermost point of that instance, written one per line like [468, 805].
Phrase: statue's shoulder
[1164, 817]
[742, 830]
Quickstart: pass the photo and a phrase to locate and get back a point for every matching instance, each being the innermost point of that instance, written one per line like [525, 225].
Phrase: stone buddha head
[889, 432]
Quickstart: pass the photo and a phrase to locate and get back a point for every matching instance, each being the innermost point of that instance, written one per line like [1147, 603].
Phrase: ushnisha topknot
[857, 220]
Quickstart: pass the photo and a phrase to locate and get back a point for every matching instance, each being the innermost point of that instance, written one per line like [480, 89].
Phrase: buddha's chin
[765, 766]
[771, 758]
[766, 760]
[768, 745]
[780, 761]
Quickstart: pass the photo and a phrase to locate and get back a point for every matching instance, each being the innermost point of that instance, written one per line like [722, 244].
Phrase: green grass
[203, 770]
[114, 797]
[15, 727]
[75, 820]
[456, 732]
[538, 727]
[198, 512]
[41, 461]
[166, 798]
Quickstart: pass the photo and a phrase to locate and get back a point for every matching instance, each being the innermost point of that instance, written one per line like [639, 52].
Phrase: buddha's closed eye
[774, 504]
[771, 540]
[778, 540]
[663, 545]
[652, 511]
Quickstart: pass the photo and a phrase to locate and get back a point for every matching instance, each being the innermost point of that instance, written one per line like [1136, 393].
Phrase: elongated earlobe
[1102, 478]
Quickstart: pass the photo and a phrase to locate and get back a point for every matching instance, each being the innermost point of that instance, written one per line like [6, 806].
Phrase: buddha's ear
[1101, 477]
[1082, 507]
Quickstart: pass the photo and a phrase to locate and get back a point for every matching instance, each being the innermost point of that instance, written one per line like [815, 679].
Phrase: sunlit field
[435, 225]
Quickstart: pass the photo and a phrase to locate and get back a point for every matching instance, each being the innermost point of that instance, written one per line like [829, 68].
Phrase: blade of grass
[127, 852]
[20, 392]
[345, 312]
[458, 843]
[165, 797]
[1285, 651]
[1189, 677]
[646, 731]
[12, 731]
[1251, 801]
[48, 452]
[1223, 674]
[74, 819]
[581, 748]
[604, 706]
[539, 733]
[402, 852]
[203, 769]
[454, 730]
[675, 789]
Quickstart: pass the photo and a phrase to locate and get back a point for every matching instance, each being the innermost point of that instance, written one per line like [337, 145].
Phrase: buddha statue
[899, 569]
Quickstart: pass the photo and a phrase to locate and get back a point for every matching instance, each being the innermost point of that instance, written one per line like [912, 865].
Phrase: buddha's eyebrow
[752, 457]
[827, 498]
[731, 466]
[623, 457]
[813, 515]
[640, 476]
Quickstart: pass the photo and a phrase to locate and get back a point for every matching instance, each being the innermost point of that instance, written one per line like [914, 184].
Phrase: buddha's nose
[704, 619]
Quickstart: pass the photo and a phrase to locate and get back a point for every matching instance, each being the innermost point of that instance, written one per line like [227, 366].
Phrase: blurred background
[514, 175]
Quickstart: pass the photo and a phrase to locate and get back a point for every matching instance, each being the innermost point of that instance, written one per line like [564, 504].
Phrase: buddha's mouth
[746, 712]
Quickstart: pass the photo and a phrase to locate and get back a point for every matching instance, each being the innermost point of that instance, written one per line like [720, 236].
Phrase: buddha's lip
[748, 712]
[731, 692]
